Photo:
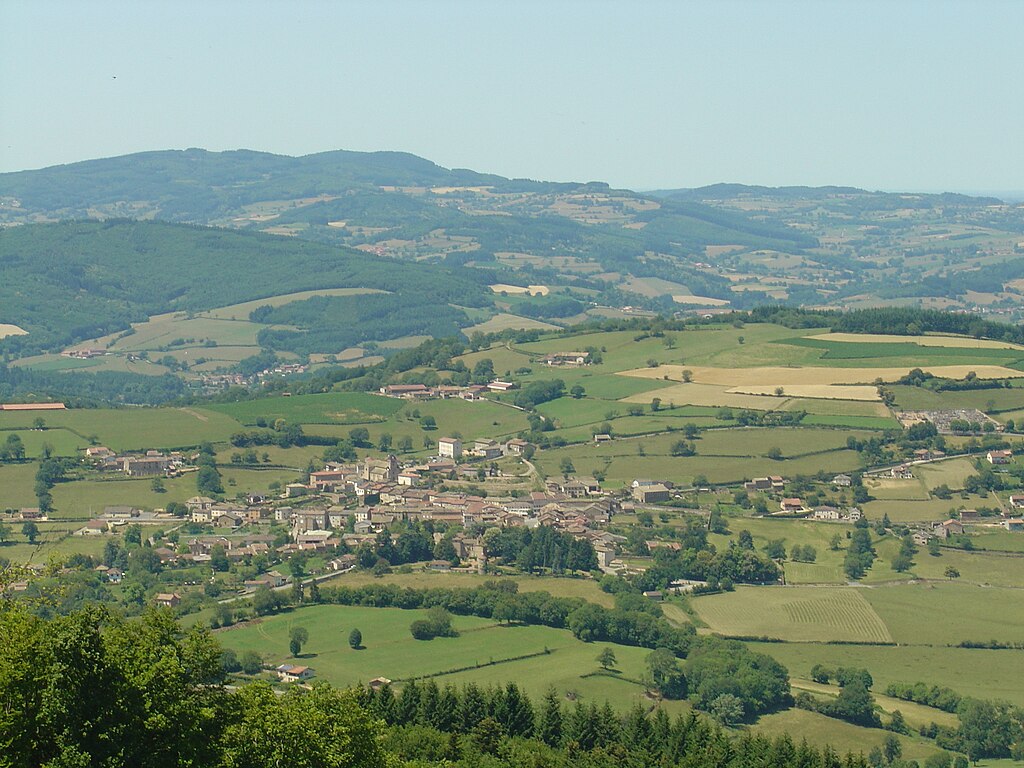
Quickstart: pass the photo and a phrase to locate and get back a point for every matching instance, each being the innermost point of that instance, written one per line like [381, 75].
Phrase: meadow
[127, 429]
[556, 657]
[330, 408]
[980, 673]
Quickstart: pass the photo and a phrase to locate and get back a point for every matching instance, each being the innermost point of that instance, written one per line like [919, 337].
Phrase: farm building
[293, 673]
[650, 494]
[449, 448]
[999, 457]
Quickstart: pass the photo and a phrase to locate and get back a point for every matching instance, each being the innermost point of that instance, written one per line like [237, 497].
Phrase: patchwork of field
[794, 614]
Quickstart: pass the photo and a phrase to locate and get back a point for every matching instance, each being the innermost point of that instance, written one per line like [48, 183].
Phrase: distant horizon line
[1006, 195]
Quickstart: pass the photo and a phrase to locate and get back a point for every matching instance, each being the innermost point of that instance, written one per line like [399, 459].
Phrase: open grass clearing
[820, 730]
[980, 673]
[919, 398]
[896, 489]
[947, 613]
[389, 650]
[794, 613]
[328, 408]
[916, 715]
[503, 321]
[828, 565]
[124, 429]
[924, 341]
[7, 329]
[62, 442]
[513, 290]
[86, 499]
[241, 311]
[910, 511]
[16, 484]
[839, 408]
[951, 473]
[776, 376]
[813, 391]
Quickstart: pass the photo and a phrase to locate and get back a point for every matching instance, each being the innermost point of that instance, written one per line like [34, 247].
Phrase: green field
[391, 651]
[820, 730]
[331, 408]
[980, 673]
[794, 614]
[133, 428]
[948, 613]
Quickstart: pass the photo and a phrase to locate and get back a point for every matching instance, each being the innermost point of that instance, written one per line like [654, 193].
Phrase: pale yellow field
[924, 341]
[820, 391]
[503, 321]
[706, 394]
[11, 330]
[241, 311]
[541, 290]
[776, 376]
[704, 301]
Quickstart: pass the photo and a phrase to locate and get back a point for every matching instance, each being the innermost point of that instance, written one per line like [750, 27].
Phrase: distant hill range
[351, 219]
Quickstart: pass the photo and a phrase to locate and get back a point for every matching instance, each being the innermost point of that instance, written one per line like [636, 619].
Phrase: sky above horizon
[920, 95]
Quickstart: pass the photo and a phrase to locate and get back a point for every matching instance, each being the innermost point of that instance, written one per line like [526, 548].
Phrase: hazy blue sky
[888, 95]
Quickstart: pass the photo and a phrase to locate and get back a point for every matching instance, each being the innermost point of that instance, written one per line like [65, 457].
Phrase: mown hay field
[924, 341]
[948, 613]
[814, 391]
[794, 614]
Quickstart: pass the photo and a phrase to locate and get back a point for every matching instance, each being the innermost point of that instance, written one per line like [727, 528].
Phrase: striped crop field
[795, 614]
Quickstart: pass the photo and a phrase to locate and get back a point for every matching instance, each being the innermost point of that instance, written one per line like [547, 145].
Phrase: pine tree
[549, 720]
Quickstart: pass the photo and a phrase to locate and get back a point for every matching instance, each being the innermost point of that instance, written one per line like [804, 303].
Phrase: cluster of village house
[149, 464]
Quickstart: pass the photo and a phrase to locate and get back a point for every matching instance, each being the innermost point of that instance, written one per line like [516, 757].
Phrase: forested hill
[78, 280]
[195, 185]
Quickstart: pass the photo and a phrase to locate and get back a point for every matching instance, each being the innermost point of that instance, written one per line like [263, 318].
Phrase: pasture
[503, 321]
[126, 429]
[948, 613]
[965, 342]
[329, 408]
[820, 730]
[980, 673]
[796, 614]
[776, 376]
[556, 657]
